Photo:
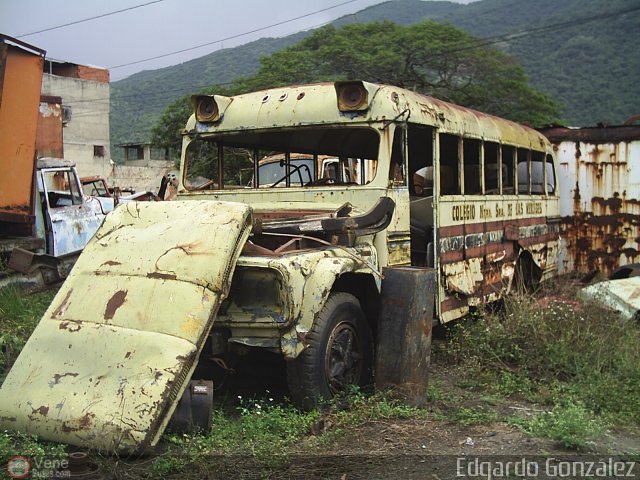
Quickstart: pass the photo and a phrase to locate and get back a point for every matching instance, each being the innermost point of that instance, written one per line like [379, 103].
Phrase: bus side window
[523, 170]
[472, 173]
[396, 170]
[491, 168]
[508, 166]
[537, 173]
[449, 171]
[551, 177]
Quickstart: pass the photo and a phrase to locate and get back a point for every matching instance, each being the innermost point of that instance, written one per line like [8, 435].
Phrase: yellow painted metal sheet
[113, 352]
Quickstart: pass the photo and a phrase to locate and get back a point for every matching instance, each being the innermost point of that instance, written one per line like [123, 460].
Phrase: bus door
[460, 230]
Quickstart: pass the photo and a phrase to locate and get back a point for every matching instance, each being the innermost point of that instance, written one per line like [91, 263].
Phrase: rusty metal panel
[113, 353]
[20, 95]
[404, 331]
[49, 135]
[599, 182]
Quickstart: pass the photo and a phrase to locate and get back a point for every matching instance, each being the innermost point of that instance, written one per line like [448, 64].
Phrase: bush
[554, 345]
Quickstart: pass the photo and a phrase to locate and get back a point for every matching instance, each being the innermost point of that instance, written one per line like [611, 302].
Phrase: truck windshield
[283, 158]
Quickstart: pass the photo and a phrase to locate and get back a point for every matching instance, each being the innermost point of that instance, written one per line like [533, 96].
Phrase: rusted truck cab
[62, 222]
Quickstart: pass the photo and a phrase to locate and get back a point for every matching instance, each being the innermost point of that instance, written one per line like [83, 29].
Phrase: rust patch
[601, 242]
[70, 325]
[110, 263]
[43, 410]
[114, 304]
[426, 327]
[58, 376]
[613, 203]
[58, 312]
[84, 422]
[163, 276]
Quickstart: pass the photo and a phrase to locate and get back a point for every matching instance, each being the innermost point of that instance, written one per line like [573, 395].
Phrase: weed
[19, 315]
[164, 465]
[467, 417]
[511, 383]
[358, 408]
[435, 392]
[570, 422]
[259, 428]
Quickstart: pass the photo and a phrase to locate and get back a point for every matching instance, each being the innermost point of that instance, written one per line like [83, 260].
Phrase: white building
[85, 107]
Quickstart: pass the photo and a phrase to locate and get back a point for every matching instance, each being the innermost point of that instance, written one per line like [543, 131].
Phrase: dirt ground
[418, 449]
[441, 449]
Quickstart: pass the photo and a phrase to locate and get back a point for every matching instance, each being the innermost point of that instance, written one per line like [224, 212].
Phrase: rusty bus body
[454, 204]
[599, 183]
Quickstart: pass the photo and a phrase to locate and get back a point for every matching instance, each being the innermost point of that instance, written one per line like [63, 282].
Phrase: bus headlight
[206, 108]
[210, 108]
[352, 96]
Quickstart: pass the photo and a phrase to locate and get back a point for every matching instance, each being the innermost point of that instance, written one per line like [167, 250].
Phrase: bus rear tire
[339, 354]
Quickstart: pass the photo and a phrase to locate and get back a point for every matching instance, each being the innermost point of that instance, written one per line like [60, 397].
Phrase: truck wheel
[339, 353]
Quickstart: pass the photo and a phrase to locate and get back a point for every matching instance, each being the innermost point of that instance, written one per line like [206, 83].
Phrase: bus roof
[318, 104]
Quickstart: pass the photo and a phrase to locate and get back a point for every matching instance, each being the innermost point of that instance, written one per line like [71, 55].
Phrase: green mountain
[582, 52]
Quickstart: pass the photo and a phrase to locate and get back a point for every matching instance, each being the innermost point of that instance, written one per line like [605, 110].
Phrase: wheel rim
[343, 358]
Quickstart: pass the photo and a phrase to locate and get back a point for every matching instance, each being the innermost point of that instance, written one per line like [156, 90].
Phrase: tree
[427, 57]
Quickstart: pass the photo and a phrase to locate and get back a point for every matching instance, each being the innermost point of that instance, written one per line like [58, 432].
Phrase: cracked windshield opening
[286, 158]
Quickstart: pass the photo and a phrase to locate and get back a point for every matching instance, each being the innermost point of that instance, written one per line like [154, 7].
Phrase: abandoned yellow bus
[329, 224]
[351, 180]
[475, 195]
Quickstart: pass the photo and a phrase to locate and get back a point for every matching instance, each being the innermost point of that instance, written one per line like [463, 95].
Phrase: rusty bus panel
[20, 83]
[599, 196]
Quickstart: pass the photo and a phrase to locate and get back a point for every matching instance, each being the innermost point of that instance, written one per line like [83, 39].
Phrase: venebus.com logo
[23, 467]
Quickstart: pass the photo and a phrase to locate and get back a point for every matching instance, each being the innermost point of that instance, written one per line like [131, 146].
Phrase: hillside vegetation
[581, 52]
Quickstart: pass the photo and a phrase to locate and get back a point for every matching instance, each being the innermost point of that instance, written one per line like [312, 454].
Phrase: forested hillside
[582, 52]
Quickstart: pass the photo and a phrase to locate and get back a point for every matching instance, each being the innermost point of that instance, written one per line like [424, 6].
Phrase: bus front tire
[339, 354]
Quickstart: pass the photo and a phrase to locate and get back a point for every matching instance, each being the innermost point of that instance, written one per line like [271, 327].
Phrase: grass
[262, 433]
[570, 423]
[19, 315]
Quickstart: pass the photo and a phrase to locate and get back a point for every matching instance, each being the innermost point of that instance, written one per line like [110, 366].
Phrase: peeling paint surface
[131, 322]
[599, 183]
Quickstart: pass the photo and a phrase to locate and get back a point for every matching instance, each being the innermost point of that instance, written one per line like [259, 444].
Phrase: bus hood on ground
[116, 348]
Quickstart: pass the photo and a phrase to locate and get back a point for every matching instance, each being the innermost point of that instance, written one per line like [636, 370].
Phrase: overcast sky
[159, 28]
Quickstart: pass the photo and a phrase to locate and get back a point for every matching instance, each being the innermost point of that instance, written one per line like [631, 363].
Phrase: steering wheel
[292, 170]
